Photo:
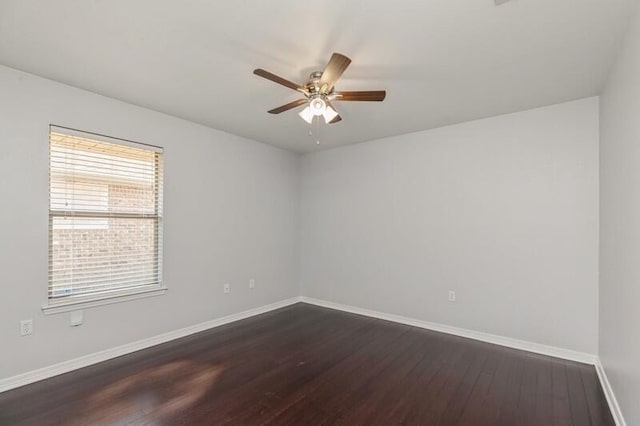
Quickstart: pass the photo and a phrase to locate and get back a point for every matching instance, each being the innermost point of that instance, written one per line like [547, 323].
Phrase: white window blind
[105, 216]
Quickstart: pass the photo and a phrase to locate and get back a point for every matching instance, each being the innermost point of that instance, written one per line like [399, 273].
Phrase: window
[105, 218]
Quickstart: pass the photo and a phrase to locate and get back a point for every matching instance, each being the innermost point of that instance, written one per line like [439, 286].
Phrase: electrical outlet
[26, 327]
[252, 283]
[227, 288]
[452, 296]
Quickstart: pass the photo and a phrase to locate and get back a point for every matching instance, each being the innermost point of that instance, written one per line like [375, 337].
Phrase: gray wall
[504, 211]
[230, 207]
[620, 226]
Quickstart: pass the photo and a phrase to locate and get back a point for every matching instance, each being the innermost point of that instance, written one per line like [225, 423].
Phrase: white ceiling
[441, 61]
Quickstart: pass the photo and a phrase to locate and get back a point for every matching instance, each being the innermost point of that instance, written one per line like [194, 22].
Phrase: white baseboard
[608, 393]
[94, 358]
[471, 334]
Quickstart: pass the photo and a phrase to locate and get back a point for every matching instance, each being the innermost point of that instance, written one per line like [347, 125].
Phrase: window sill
[74, 305]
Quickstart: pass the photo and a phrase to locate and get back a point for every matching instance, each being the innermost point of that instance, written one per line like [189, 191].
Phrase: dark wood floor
[308, 365]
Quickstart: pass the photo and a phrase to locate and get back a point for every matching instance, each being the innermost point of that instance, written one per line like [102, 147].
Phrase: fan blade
[276, 79]
[288, 106]
[335, 120]
[367, 95]
[332, 72]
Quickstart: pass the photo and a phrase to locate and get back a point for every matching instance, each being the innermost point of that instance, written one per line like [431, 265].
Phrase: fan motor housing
[313, 85]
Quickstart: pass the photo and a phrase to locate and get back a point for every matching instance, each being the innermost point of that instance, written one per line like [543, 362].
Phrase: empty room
[320, 212]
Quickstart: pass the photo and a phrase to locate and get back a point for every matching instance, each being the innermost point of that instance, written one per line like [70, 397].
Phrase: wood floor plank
[439, 350]
[487, 409]
[561, 407]
[544, 391]
[306, 365]
[452, 413]
[510, 400]
[526, 412]
[431, 396]
[389, 385]
[481, 407]
[356, 374]
[596, 401]
[577, 398]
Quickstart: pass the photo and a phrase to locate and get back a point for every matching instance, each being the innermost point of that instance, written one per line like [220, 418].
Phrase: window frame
[82, 301]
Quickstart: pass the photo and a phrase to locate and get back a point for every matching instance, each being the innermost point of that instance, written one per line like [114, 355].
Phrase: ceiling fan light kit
[319, 91]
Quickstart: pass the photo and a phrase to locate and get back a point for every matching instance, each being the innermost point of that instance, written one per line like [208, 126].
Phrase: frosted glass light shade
[329, 114]
[306, 114]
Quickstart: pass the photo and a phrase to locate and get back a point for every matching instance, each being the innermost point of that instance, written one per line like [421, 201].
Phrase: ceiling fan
[319, 91]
